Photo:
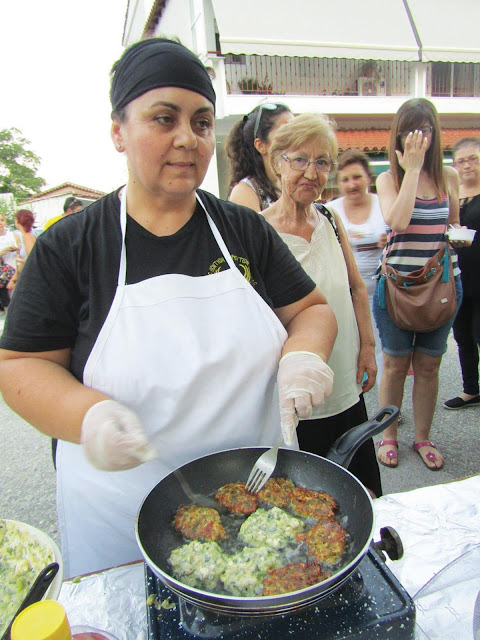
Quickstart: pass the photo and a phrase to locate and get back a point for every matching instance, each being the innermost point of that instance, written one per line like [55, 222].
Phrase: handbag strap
[329, 216]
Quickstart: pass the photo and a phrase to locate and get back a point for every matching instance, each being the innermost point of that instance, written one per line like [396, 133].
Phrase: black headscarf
[154, 63]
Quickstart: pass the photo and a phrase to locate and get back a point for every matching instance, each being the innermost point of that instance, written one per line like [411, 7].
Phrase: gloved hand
[304, 380]
[113, 437]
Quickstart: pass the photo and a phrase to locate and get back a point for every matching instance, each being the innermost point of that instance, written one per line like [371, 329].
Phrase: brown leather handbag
[424, 299]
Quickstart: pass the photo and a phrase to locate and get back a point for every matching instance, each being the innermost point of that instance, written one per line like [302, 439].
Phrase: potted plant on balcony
[253, 85]
[369, 81]
[369, 69]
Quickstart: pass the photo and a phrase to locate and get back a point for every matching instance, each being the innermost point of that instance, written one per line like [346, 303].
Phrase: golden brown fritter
[277, 491]
[313, 504]
[199, 523]
[292, 577]
[325, 541]
[236, 498]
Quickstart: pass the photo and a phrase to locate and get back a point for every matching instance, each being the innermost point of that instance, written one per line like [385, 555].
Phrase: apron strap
[220, 241]
[122, 271]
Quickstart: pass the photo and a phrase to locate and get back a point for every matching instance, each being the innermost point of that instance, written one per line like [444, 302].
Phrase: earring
[118, 145]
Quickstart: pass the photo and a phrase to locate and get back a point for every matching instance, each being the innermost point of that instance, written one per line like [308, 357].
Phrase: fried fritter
[313, 504]
[236, 498]
[199, 523]
[271, 527]
[277, 491]
[198, 564]
[325, 541]
[292, 577]
[244, 571]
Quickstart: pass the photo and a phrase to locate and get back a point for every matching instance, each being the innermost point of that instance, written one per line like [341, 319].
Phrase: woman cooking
[303, 153]
[150, 346]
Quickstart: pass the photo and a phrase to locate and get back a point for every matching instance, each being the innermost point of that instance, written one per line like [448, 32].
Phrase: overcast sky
[55, 58]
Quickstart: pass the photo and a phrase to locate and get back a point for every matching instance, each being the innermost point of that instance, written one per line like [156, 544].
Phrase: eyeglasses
[270, 106]
[461, 161]
[425, 130]
[302, 164]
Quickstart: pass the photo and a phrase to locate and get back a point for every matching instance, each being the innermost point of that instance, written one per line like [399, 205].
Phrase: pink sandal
[431, 457]
[391, 453]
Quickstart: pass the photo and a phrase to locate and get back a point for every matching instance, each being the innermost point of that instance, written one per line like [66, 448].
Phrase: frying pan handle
[345, 447]
[36, 593]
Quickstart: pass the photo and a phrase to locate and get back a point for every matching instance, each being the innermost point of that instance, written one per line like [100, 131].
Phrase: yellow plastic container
[44, 620]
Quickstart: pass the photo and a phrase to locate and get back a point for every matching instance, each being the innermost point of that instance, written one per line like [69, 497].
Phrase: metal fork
[263, 468]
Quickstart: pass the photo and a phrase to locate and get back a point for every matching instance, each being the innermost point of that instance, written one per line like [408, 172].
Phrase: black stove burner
[371, 605]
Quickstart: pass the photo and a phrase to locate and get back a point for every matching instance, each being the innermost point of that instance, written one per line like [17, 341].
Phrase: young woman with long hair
[253, 182]
[419, 199]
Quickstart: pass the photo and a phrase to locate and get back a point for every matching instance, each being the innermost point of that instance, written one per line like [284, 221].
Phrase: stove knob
[390, 543]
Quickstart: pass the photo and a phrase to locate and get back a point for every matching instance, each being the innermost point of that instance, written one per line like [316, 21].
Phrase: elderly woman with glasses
[303, 154]
[253, 182]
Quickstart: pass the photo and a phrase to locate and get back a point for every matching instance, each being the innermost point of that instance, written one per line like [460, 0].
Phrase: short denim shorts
[399, 342]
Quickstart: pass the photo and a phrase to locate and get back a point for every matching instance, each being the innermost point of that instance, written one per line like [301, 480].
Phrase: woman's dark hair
[245, 160]
[354, 156]
[411, 115]
[25, 218]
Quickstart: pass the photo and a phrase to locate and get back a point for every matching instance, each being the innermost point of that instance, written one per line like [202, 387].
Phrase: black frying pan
[157, 537]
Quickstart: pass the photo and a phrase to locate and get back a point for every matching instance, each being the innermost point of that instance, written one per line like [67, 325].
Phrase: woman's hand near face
[413, 156]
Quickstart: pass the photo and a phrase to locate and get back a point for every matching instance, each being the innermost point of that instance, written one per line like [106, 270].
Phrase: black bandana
[154, 63]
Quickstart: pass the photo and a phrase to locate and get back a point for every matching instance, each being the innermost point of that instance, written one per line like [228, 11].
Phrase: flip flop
[391, 453]
[431, 457]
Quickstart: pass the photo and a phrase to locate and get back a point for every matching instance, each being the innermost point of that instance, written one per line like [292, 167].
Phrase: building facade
[357, 62]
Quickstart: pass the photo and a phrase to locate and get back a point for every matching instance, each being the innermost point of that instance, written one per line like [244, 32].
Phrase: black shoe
[460, 403]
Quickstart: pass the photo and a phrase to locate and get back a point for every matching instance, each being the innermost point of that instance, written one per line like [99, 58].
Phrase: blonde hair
[305, 128]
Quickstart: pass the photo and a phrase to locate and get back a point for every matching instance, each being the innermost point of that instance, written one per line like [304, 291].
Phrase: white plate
[465, 235]
[32, 534]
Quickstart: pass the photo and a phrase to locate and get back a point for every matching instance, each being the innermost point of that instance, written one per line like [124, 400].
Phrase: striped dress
[409, 250]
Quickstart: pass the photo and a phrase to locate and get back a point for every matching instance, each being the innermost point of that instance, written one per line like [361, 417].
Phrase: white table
[437, 525]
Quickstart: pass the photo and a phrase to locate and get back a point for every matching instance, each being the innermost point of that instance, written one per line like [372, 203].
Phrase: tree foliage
[18, 166]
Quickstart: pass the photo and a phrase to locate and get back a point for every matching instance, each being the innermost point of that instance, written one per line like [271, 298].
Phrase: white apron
[196, 358]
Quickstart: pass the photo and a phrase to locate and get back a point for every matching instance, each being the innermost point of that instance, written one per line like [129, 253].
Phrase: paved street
[27, 476]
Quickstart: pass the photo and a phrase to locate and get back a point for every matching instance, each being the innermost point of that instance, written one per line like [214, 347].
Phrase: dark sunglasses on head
[267, 105]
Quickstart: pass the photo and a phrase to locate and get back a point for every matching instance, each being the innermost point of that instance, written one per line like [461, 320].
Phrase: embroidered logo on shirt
[242, 263]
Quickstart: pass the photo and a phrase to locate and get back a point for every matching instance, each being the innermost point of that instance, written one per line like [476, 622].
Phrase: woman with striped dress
[419, 199]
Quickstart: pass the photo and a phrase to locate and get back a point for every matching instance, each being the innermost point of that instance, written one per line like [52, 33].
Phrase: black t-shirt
[69, 280]
[469, 257]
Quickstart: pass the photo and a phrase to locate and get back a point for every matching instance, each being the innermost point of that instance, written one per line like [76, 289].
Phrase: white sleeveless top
[8, 240]
[322, 258]
[363, 239]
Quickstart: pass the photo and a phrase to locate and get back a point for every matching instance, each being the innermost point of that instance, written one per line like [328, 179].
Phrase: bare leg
[425, 392]
[391, 392]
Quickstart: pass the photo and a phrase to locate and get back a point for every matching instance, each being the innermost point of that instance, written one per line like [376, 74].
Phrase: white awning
[370, 29]
[449, 31]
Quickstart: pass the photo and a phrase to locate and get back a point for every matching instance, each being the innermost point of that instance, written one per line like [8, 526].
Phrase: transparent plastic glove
[113, 437]
[304, 380]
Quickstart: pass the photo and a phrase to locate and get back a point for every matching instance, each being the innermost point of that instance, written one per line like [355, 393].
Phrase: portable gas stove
[371, 605]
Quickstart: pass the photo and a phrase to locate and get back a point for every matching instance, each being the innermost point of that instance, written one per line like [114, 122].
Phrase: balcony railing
[277, 75]
[315, 76]
[453, 79]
